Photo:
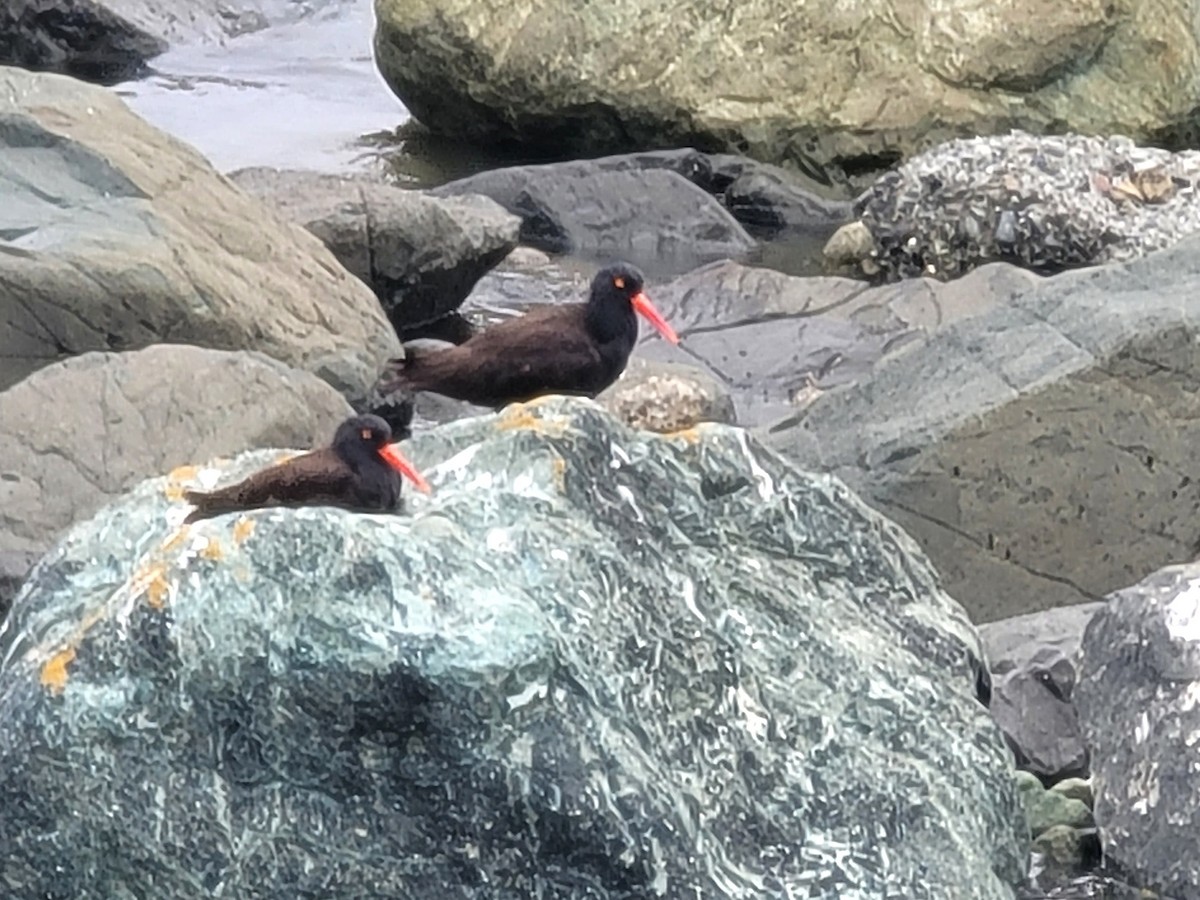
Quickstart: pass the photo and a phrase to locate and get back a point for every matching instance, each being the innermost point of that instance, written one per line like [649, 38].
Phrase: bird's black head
[365, 441]
[617, 293]
[362, 434]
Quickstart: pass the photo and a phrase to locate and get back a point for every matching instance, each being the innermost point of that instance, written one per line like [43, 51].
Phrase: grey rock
[107, 41]
[651, 216]
[114, 236]
[667, 397]
[1065, 845]
[421, 254]
[1137, 705]
[777, 341]
[75, 37]
[595, 663]
[772, 204]
[1034, 666]
[1040, 451]
[78, 433]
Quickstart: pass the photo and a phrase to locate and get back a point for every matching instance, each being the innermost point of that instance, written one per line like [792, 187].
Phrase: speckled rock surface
[1047, 203]
[78, 433]
[117, 236]
[1042, 451]
[1137, 704]
[666, 397]
[595, 663]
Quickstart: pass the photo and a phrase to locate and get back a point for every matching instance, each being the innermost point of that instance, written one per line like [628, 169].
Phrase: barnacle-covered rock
[597, 662]
[1047, 203]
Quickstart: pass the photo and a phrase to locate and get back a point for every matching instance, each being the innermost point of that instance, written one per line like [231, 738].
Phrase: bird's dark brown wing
[547, 350]
[315, 478]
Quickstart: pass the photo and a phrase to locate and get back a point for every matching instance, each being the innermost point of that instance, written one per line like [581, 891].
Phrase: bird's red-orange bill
[642, 305]
[394, 458]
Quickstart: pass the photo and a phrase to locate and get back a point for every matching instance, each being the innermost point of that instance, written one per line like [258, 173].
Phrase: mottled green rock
[596, 663]
[1045, 809]
[1076, 789]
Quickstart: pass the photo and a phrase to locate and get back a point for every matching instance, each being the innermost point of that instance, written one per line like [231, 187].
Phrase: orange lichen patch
[242, 529]
[176, 539]
[183, 473]
[690, 435]
[285, 458]
[54, 670]
[151, 580]
[559, 468]
[173, 492]
[519, 417]
[212, 550]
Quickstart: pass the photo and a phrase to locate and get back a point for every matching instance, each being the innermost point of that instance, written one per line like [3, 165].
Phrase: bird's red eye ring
[619, 282]
[366, 434]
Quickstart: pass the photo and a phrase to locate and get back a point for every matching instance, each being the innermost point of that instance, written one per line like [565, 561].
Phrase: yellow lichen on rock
[151, 580]
[519, 416]
[242, 529]
[54, 671]
[690, 435]
[183, 473]
[212, 550]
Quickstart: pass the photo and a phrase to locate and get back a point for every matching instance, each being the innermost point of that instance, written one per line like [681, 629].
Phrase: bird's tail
[401, 374]
[207, 504]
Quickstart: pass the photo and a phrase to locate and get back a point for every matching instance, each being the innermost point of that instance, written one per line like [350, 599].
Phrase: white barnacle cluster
[1047, 203]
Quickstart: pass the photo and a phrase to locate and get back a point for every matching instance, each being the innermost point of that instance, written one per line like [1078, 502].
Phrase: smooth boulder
[115, 236]
[654, 217]
[77, 434]
[818, 84]
[594, 663]
[1137, 704]
[1040, 451]
[421, 254]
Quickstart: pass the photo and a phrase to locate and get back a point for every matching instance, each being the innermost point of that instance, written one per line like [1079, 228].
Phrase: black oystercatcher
[578, 348]
[360, 470]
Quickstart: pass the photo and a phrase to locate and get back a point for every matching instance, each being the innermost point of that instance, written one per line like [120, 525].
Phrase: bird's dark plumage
[360, 470]
[578, 348]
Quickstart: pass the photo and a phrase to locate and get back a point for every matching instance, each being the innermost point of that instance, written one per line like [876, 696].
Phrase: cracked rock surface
[114, 236]
[1042, 452]
[78, 433]
[595, 664]
[421, 254]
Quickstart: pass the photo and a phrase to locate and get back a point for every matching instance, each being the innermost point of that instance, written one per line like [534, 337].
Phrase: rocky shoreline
[936, 384]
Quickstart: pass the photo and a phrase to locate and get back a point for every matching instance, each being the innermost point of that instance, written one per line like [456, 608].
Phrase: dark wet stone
[770, 203]
[81, 38]
[421, 255]
[1136, 697]
[1033, 660]
[651, 216]
[596, 663]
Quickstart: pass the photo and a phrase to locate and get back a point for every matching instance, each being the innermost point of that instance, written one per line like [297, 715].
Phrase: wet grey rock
[107, 41]
[652, 216]
[770, 203]
[595, 663]
[421, 254]
[78, 433]
[778, 341]
[1034, 665]
[115, 236]
[1136, 701]
[1042, 451]
[76, 37]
